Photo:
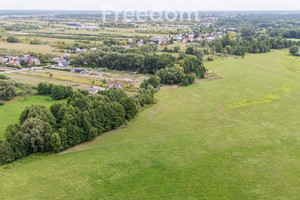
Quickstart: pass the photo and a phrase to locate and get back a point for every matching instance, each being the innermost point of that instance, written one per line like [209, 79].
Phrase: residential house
[56, 59]
[99, 88]
[114, 85]
[199, 38]
[78, 50]
[188, 40]
[33, 61]
[13, 63]
[3, 60]
[140, 43]
[178, 37]
[210, 38]
[127, 47]
[65, 55]
[91, 90]
[63, 63]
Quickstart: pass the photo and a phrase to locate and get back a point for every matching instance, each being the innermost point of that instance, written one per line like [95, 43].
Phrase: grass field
[294, 39]
[118, 32]
[30, 78]
[190, 145]
[10, 113]
[25, 48]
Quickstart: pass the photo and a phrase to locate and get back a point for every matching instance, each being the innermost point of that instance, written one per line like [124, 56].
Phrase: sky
[150, 4]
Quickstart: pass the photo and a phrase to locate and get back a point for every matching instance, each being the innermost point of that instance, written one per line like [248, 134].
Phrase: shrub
[185, 82]
[12, 39]
[6, 152]
[153, 80]
[55, 143]
[294, 50]
[57, 92]
[44, 88]
[36, 41]
[210, 58]
[34, 135]
[2, 103]
[4, 77]
[61, 92]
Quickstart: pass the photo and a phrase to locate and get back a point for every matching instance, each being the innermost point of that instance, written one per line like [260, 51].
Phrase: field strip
[265, 99]
[135, 141]
[213, 106]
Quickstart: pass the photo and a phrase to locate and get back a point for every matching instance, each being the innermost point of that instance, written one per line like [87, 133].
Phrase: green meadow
[232, 138]
[9, 113]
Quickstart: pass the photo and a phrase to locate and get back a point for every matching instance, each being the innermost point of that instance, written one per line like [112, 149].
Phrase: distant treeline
[248, 44]
[184, 67]
[20, 27]
[292, 34]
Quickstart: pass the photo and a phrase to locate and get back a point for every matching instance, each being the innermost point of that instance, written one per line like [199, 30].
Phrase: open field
[190, 145]
[10, 112]
[25, 48]
[29, 78]
[101, 33]
[70, 78]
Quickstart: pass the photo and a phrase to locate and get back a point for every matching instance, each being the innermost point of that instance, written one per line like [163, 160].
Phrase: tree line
[231, 44]
[57, 92]
[64, 125]
[185, 68]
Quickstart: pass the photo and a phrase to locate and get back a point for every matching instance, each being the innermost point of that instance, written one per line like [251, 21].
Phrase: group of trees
[36, 41]
[294, 50]
[7, 88]
[285, 32]
[147, 64]
[10, 89]
[82, 44]
[143, 63]
[175, 49]
[57, 92]
[12, 39]
[145, 95]
[82, 118]
[231, 44]
[20, 27]
[193, 50]
[175, 75]
[184, 72]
